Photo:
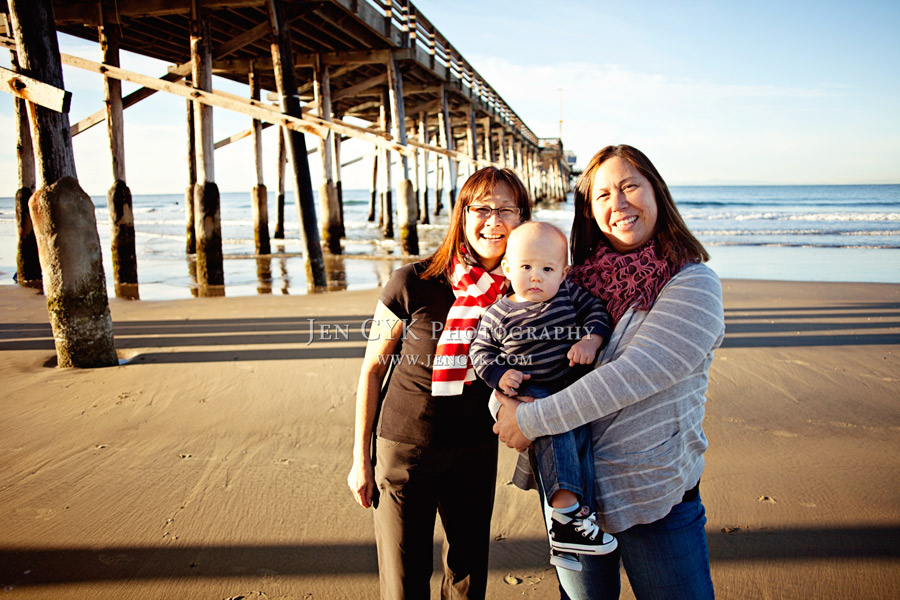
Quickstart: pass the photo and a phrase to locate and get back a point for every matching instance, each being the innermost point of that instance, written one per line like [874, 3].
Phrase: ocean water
[799, 233]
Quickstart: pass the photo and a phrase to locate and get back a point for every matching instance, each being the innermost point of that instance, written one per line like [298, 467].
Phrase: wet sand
[212, 464]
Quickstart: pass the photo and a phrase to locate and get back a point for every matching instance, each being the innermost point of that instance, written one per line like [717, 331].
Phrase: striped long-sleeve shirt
[645, 401]
[534, 337]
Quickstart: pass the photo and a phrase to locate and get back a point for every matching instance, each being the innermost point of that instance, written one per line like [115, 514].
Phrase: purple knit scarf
[625, 280]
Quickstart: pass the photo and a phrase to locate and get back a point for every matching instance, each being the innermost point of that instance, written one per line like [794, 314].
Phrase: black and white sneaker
[565, 560]
[579, 532]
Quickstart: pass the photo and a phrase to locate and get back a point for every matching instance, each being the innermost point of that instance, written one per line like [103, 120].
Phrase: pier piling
[278, 234]
[423, 139]
[28, 265]
[260, 195]
[282, 63]
[190, 246]
[328, 200]
[118, 198]
[207, 210]
[61, 212]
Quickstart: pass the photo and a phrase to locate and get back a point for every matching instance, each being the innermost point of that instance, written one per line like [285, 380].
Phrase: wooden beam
[130, 100]
[35, 91]
[88, 13]
[409, 90]
[264, 112]
[176, 73]
[235, 137]
[353, 90]
[426, 107]
[307, 61]
[244, 39]
[217, 99]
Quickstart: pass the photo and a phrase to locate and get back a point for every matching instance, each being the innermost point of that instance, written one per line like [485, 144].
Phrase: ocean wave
[734, 243]
[824, 204]
[804, 232]
[795, 216]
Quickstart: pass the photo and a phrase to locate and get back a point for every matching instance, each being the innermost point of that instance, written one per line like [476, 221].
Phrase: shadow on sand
[298, 338]
[47, 566]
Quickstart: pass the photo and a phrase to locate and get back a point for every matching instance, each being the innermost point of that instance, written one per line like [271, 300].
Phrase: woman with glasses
[434, 450]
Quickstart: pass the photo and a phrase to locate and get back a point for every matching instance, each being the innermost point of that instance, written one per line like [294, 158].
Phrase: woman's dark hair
[483, 182]
[675, 241]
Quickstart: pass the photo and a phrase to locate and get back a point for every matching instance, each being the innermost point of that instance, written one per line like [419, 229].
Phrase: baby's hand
[584, 352]
[511, 380]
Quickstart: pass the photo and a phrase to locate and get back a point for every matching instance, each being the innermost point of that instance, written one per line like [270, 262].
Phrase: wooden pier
[326, 72]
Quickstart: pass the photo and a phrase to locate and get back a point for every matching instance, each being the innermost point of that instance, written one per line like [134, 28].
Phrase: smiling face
[535, 262]
[488, 237]
[623, 205]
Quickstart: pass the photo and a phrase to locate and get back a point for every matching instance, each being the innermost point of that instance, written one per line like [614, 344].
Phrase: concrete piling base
[74, 282]
[261, 220]
[208, 229]
[407, 214]
[124, 253]
[331, 227]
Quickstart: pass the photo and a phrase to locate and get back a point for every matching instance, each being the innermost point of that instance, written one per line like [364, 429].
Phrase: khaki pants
[413, 485]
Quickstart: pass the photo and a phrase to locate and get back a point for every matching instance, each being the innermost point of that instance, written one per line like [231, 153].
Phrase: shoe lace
[588, 526]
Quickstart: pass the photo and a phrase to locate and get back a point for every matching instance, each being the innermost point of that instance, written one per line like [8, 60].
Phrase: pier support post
[285, 79]
[28, 265]
[338, 185]
[207, 217]
[278, 234]
[447, 133]
[406, 198]
[414, 172]
[472, 139]
[438, 176]
[62, 213]
[501, 145]
[529, 166]
[190, 236]
[373, 189]
[387, 209]
[488, 151]
[118, 199]
[423, 138]
[260, 196]
[331, 223]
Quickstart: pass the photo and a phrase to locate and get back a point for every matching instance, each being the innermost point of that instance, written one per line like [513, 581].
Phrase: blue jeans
[665, 560]
[565, 460]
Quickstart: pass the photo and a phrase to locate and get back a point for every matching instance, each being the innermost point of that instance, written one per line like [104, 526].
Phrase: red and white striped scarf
[475, 289]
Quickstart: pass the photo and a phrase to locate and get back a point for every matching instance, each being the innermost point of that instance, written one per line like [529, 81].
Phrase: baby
[527, 344]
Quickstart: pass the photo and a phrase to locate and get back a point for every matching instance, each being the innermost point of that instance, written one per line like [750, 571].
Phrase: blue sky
[714, 92]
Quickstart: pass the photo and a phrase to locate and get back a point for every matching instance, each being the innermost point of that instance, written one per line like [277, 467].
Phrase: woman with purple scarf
[645, 398]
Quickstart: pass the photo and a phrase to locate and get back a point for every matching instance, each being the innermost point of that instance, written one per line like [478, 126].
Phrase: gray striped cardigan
[645, 401]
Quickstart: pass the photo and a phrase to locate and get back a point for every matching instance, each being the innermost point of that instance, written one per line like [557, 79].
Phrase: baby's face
[536, 266]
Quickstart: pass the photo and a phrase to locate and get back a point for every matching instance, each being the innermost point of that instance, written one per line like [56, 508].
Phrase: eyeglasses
[482, 212]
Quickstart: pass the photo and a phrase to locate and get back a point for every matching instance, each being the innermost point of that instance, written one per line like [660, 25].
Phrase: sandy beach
[212, 463]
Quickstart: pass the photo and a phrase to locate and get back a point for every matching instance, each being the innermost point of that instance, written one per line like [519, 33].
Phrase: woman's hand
[362, 481]
[507, 427]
